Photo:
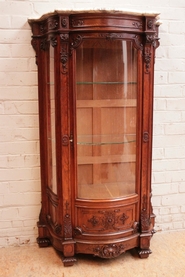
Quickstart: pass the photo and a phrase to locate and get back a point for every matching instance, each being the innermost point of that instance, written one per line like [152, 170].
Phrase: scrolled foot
[43, 242]
[69, 261]
[144, 253]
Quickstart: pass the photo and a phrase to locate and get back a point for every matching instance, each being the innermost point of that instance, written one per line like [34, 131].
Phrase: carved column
[150, 43]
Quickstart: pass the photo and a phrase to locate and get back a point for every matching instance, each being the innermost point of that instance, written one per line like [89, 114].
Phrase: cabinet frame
[61, 212]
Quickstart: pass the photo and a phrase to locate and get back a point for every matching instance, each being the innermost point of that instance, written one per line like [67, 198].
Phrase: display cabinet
[95, 86]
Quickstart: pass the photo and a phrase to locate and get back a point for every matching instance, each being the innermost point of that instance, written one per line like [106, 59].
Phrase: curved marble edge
[129, 12]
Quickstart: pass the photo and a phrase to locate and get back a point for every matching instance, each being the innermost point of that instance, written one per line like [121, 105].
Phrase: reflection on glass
[106, 119]
[51, 124]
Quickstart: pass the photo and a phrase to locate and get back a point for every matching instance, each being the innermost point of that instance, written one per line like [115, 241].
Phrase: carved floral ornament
[109, 251]
[108, 221]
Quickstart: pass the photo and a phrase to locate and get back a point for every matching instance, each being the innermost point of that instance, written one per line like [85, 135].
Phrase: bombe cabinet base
[95, 88]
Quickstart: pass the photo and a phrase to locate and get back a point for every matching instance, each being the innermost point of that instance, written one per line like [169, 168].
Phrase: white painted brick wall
[19, 146]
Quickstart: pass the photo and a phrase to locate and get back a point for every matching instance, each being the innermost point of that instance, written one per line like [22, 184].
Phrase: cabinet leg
[68, 251]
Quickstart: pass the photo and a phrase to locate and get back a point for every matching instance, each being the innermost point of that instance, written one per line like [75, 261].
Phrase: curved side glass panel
[51, 124]
[106, 118]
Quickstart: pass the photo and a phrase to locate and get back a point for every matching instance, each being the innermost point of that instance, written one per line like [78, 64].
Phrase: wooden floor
[167, 260]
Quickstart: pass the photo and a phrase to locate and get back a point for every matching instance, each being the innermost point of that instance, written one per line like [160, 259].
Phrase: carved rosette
[109, 251]
[109, 221]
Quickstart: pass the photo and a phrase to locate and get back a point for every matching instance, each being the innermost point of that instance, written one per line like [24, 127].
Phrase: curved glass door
[106, 118]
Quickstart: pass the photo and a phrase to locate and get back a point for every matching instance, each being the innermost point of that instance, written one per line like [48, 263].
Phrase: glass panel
[51, 124]
[106, 119]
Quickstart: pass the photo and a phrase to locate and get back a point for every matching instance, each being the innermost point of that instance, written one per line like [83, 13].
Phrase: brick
[19, 22]
[165, 189]
[19, 93]
[16, 8]
[171, 140]
[8, 213]
[166, 117]
[19, 147]
[175, 152]
[5, 22]
[176, 77]
[15, 36]
[165, 211]
[24, 186]
[158, 153]
[178, 225]
[21, 78]
[173, 200]
[21, 107]
[14, 64]
[20, 174]
[175, 128]
[17, 223]
[29, 212]
[182, 187]
[169, 91]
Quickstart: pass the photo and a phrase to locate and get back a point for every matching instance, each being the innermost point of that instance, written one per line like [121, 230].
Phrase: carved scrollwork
[147, 59]
[76, 41]
[35, 44]
[109, 251]
[44, 44]
[152, 39]
[53, 41]
[111, 36]
[43, 28]
[137, 24]
[67, 222]
[138, 42]
[57, 227]
[53, 24]
[64, 37]
[67, 226]
[145, 219]
[77, 22]
[64, 57]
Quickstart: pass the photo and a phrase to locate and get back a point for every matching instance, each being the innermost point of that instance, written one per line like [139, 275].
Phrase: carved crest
[109, 251]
